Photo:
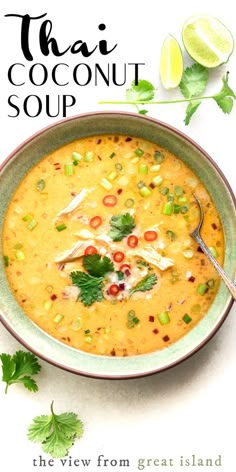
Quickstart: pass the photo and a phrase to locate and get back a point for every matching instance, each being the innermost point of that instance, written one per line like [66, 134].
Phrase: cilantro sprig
[19, 368]
[145, 284]
[91, 284]
[56, 433]
[192, 87]
[121, 226]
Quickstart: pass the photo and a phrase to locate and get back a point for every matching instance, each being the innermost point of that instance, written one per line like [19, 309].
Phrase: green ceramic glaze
[30, 152]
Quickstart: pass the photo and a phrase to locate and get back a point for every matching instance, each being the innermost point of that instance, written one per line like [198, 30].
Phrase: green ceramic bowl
[45, 141]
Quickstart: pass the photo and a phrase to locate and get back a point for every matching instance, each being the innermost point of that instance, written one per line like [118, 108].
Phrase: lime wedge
[171, 63]
[207, 40]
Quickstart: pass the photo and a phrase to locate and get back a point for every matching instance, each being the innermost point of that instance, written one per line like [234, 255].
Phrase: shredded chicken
[153, 257]
[74, 203]
[104, 238]
[85, 234]
[76, 252]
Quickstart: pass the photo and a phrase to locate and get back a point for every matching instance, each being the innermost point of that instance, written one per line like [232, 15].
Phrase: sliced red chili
[132, 241]
[95, 222]
[114, 289]
[90, 250]
[109, 200]
[118, 256]
[124, 267]
[150, 235]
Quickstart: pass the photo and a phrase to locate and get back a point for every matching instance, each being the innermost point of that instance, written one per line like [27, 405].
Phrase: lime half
[171, 63]
[207, 40]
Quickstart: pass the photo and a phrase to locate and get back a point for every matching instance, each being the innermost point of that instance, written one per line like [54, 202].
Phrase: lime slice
[207, 40]
[171, 63]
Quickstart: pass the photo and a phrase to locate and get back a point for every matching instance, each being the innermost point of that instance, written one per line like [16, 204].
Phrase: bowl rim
[127, 114]
[128, 376]
[228, 307]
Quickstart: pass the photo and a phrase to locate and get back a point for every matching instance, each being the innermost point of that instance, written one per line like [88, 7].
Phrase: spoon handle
[228, 282]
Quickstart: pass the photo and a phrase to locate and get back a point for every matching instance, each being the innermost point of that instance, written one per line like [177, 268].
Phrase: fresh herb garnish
[98, 266]
[120, 275]
[90, 287]
[61, 227]
[192, 86]
[121, 226]
[40, 185]
[145, 284]
[6, 261]
[171, 235]
[91, 284]
[56, 433]
[132, 319]
[140, 264]
[18, 369]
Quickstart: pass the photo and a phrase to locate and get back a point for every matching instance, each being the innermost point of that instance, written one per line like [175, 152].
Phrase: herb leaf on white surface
[56, 433]
[190, 110]
[194, 81]
[225, 98]
[19, 368]
[144, 91]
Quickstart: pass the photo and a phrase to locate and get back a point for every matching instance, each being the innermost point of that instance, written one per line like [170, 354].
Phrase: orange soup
[97, 246]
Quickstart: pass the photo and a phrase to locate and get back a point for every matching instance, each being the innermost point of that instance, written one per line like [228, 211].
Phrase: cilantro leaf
[143, 112]
[120, 275]
[224, 98]
[225, 103]
[190, 110]
[8, 367]
[98, 266]
[26, 363]
[194, 81]
[145, 284]
[57, 433]
[90, 287]
[121, 226]
[29, 383]
[143, 92]
[18, 369]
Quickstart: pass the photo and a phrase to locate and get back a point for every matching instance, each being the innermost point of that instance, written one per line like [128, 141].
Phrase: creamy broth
[97, 249]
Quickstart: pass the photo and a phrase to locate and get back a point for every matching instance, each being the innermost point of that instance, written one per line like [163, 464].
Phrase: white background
[189, 409]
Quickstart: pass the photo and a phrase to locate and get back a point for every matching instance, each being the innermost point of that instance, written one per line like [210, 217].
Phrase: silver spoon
[196, 235]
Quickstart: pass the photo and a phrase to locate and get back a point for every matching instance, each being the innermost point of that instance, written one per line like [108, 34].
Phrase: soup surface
[97, 249]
